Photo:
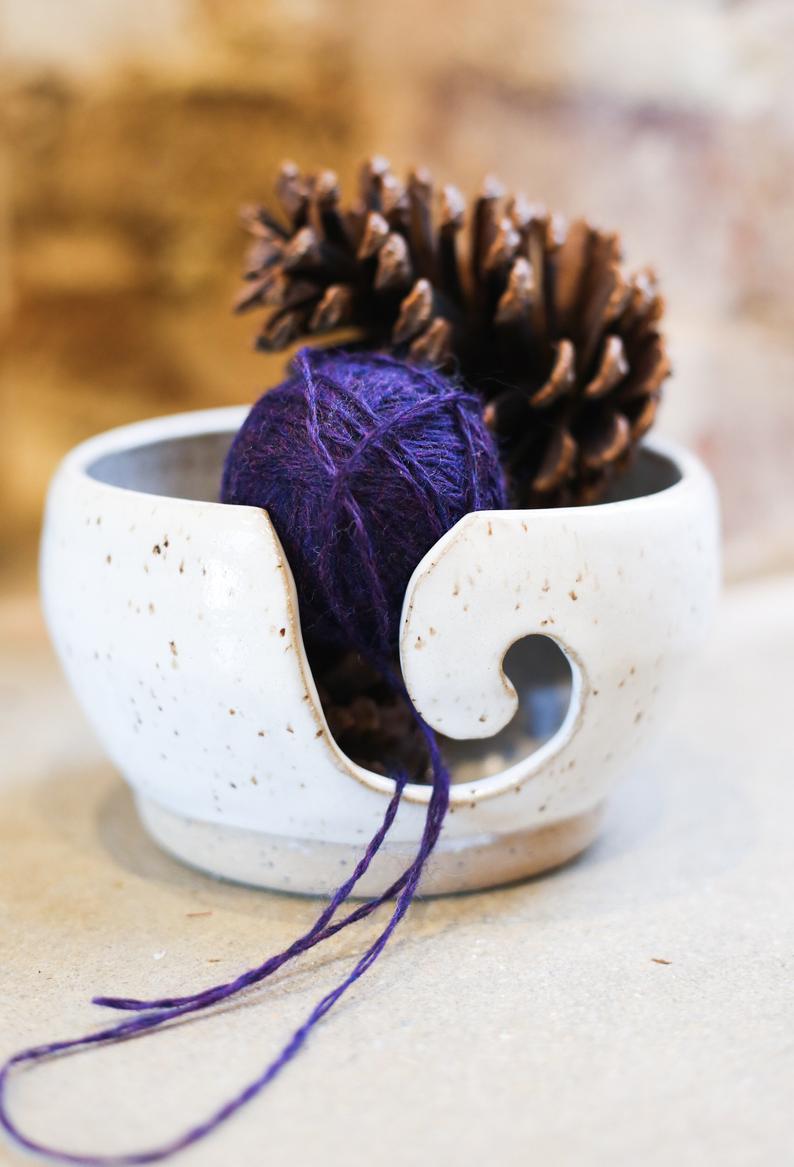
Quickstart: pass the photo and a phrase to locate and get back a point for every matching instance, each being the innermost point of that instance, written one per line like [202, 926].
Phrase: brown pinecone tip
[538, 315]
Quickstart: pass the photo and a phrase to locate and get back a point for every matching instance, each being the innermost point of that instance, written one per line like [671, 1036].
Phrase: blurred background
[133, 131]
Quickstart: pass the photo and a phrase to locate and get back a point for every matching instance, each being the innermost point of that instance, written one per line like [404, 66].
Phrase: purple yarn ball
[362, 462]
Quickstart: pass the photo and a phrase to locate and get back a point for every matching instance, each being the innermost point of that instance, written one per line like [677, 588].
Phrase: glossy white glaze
[176, 621]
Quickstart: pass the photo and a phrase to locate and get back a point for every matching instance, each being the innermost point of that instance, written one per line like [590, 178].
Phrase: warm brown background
[132, 132]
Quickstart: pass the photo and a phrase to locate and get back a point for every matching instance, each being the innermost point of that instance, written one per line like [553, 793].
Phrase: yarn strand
[152, 1015]
[321, 929]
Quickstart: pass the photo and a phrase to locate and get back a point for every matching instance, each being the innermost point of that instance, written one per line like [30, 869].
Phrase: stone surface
[536, 1023]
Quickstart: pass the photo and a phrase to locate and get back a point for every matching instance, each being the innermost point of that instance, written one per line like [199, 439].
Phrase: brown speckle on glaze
[260, 733]
[172, 646]
[290, 729]
[157, 549]
[282, 632]
[232, 712]
[419, 643]
[638, 717]
[182, 567]
[573, 595]
[151, 609]
[546, 586]
[108, 559]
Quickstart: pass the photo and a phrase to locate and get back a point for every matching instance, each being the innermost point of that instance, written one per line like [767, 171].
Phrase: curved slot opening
[542, 677]
[376, 730]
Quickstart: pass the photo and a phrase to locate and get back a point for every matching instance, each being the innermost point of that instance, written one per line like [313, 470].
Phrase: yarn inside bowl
[362, 462]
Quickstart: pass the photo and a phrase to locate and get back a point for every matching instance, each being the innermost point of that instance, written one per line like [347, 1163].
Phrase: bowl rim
[228, 419]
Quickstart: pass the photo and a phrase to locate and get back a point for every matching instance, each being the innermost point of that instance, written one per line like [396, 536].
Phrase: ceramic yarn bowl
[176, 620]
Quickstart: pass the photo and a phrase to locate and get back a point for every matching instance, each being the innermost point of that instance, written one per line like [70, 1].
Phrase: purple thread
[437, 464]
[362, 463]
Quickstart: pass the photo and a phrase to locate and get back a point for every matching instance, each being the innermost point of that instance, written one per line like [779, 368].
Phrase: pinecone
[537, 316]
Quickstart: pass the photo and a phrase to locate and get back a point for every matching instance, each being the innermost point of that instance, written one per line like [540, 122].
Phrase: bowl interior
[187, 467]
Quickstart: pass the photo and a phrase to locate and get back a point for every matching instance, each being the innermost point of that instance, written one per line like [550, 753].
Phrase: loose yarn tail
[152, 1014]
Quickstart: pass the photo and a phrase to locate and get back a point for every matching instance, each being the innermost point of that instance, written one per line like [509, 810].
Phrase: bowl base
[310, 867]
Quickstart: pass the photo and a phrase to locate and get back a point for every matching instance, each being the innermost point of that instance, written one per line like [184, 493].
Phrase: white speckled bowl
[177, 623]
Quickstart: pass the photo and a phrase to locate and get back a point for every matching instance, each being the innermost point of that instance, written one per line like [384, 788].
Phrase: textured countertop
[636, 1007]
